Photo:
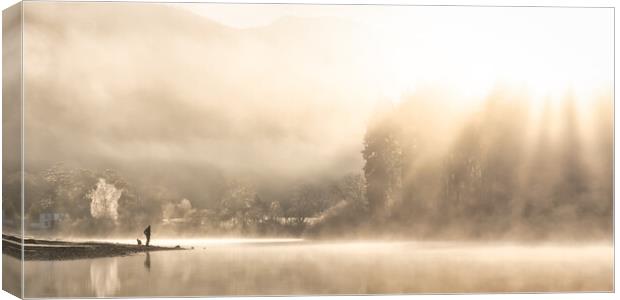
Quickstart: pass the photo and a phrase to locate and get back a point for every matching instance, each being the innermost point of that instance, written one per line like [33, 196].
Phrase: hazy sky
[468, 48]
[276, 89]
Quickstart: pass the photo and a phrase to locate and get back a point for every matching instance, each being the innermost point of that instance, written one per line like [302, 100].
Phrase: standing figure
[147, 232]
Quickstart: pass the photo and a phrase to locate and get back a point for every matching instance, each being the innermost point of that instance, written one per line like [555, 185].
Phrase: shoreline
[36, 249]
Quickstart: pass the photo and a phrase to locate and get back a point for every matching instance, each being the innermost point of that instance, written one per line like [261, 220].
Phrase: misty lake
[285, 267]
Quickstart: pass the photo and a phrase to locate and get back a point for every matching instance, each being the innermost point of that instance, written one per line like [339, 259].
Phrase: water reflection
[104, 280]
[329, 268]
[147, 261]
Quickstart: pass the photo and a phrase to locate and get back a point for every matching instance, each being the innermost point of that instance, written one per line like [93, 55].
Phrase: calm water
[278, 267]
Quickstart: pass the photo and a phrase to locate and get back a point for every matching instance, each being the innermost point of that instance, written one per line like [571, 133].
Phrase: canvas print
[213, 149]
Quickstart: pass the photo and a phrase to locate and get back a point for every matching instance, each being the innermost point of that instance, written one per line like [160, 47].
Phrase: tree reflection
[104, 277]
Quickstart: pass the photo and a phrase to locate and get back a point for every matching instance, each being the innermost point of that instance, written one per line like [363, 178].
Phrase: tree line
[498, 177]
[490, 174]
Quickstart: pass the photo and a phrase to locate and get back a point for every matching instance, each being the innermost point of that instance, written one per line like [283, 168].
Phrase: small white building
[47, 220]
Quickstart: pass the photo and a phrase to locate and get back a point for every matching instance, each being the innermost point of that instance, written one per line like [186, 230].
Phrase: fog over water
[321, 268]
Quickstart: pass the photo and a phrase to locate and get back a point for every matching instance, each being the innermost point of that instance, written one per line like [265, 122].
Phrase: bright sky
[467, 48]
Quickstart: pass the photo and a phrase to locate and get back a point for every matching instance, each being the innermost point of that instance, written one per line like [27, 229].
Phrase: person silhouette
[147, 233]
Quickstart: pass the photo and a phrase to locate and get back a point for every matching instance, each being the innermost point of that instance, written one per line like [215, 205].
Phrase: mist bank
[505, 169]
[512, 167]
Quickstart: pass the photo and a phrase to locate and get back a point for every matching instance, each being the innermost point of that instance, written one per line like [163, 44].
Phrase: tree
[382, 170]
[235, 205]
[305, 202]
